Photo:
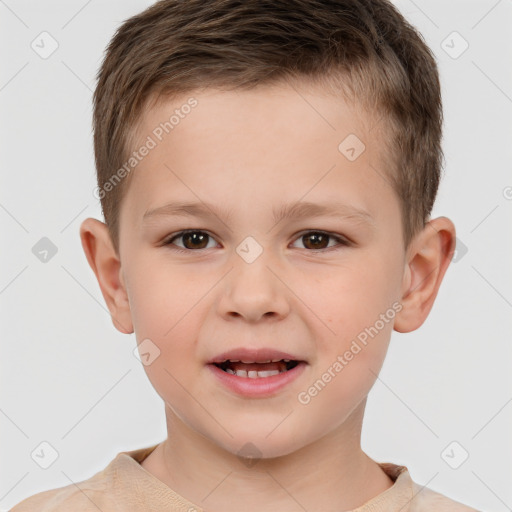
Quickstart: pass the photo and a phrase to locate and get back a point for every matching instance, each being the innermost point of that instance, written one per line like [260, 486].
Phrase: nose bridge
[252, 288]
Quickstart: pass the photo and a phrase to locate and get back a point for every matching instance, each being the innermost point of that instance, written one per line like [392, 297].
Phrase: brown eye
[195, 240]
[319, 240]
[315, 241]
[191, 240]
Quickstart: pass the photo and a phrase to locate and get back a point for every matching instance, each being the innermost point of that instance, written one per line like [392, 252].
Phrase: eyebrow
[296, 211]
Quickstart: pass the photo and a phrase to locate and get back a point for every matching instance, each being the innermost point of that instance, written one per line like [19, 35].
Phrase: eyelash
[342, 242]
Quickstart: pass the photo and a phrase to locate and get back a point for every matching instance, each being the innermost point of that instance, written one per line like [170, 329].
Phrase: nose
[254, 290]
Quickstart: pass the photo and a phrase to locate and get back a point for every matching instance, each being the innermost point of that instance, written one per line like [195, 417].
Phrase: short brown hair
[365, 49]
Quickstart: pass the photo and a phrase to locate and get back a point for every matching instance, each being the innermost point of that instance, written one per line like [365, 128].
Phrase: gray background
[70, 379]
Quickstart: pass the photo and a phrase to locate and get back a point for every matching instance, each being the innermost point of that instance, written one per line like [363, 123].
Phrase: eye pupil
[318, 238]
[195, 237]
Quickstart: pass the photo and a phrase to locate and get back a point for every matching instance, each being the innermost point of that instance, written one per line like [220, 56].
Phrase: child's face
[250, 153]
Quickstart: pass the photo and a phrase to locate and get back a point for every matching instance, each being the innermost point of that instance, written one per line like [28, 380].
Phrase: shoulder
[113, 489]
[413, 497]
[63, 499]
[425, 500]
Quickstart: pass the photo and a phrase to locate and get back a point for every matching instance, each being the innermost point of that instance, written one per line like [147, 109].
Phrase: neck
[332, 473]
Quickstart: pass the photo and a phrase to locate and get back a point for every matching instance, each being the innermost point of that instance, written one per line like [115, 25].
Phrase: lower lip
[259, 387]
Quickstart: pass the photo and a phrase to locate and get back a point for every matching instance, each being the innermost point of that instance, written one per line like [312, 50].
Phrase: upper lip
[253, 355]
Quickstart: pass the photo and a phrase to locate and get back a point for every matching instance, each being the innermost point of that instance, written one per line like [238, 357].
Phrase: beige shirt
[125, 486]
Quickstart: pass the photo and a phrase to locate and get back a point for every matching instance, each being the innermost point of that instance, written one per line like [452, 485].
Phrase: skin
[249, 152]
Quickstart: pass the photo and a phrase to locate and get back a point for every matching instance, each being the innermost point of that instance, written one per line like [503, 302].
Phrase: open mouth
[257, 370]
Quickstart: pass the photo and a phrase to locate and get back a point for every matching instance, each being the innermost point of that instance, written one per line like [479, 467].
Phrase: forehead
[254, 147]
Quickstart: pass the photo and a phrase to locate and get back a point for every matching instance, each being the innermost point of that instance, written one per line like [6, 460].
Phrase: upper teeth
[249, 362]
[253, 374]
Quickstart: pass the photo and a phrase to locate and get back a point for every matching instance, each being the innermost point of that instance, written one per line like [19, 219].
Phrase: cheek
[161, 294]
[349, 360]
[351, 297]
[358, 305]
[173, 339]
[165, 303]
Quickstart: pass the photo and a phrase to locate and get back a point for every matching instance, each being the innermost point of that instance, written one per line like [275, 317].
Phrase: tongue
[260, 367]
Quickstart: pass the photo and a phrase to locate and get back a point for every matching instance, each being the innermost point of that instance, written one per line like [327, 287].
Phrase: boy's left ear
[428, 257]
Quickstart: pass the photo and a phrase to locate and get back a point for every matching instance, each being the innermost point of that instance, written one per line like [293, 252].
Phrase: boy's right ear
[106, 265]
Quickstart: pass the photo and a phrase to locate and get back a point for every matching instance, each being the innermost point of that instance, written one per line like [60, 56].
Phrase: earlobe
[429, 255]
[105, 263]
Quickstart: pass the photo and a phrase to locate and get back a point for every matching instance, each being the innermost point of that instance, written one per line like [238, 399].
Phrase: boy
[266, 170]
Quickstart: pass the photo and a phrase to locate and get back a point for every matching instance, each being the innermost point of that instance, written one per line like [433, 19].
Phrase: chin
[251, 448]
